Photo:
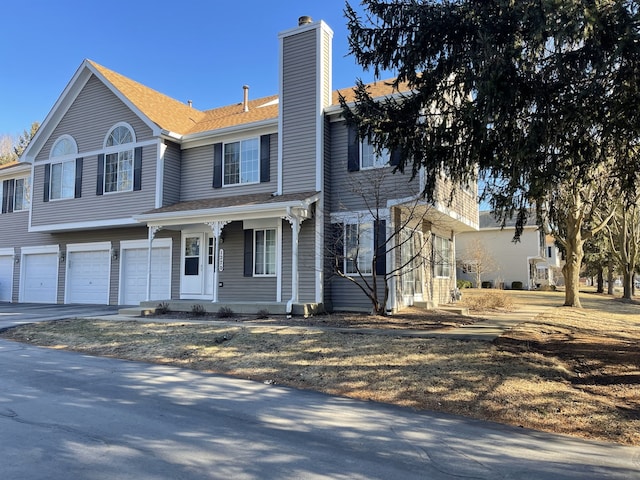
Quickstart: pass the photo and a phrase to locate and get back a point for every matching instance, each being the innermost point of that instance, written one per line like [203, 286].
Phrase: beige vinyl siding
[299, 111]
[91, 207]
[197, 175]
[237, 287]
[93, 113]
[171, 174]
[349, 189]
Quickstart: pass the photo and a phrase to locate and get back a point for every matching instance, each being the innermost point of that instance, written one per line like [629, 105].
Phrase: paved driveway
[66, 415]
[19, 313]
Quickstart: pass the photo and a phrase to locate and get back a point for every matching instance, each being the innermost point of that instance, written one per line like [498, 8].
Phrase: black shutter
[248, 253]
[47, 180]
[100, 178]
[217, 165]
[265, 153]
[353, 150]
[394, 161]
[10, 191]
[78, 189]
[379, 241]
[137, 169]
[5, 196]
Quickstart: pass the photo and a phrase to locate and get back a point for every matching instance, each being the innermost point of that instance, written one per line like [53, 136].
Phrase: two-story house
[126, 195]
[533, 260]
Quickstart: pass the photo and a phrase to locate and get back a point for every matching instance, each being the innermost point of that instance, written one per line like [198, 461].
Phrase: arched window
[62, 173]
[119, 159]
[65, 145]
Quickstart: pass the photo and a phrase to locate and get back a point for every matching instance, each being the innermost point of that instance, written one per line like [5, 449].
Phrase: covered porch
[241, 252]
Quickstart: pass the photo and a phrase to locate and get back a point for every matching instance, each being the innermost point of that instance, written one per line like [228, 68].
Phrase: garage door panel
[134, 275]
[6, 278]
[40, 278]
[88, 277]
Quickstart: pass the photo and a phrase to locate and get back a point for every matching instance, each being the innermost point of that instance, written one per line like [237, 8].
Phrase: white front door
[194, 253]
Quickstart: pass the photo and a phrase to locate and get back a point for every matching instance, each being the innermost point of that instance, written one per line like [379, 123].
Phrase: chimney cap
[304, 20]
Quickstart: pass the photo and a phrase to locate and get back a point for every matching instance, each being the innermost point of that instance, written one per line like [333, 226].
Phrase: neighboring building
[125, 195]
[534, 260]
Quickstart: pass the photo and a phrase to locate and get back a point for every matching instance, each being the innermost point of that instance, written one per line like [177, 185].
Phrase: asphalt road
[70, 416]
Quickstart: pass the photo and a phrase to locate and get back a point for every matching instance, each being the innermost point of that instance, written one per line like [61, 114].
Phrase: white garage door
[134, 275]
[88, 277]
[6, 277]
[40, 278]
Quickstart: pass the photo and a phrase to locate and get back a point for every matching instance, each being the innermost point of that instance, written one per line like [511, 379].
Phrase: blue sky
[200, 50]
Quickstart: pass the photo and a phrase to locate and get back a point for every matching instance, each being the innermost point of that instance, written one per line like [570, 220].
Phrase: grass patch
[490, 300]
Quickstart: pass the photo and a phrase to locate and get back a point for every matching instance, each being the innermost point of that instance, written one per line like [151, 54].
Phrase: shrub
[262, 313]
[464, 284]
[225, 312]
[489, 301]
[516, 285]
[487, 284]
[163, 308]
[198, 310]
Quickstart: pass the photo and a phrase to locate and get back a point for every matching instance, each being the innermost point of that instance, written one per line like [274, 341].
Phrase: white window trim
[449, 262]
[59, 139]
[27, 202]
[117, 149]
[240, 183]
[104, 176]
[358, 222]
[61, 162]
[255, 251]
[376, 164]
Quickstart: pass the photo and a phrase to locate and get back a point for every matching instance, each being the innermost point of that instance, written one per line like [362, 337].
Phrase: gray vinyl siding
[307, 261]
[92, 207]
[299, 111]
[171, 175]
[345, 185]
[326, 62]
[286, 261]
[346, 296]
[93, 113]
[197, 175]
[237, 287]
[328, 231]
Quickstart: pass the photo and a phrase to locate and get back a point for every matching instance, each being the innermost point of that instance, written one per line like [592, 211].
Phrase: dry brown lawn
[568, 371]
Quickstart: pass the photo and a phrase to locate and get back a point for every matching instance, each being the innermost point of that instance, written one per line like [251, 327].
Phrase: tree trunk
[627, 279]
[571, 269]
[610, 276]
[600, 279]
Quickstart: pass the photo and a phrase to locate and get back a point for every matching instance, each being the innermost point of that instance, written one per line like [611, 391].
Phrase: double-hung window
[118, 165]
[242, 162]
[265, 252]
[63, 172]
[358, 248]
[369, 158]
[442, 256]
[21, 194]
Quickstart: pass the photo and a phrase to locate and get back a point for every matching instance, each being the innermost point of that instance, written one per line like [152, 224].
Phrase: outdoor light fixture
[114, 253]
[61, 256]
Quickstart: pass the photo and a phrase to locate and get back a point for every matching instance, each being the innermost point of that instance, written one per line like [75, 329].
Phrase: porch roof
[257, 205]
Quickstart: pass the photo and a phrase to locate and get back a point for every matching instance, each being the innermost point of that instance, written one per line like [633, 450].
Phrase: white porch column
[152, 234]
[216, 230]
[295, 220]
